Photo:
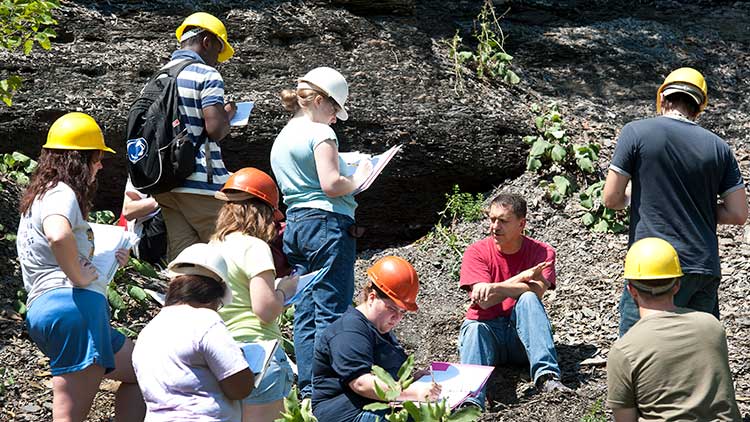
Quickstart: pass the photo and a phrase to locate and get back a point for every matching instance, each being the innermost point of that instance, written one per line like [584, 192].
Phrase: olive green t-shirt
[673, 366]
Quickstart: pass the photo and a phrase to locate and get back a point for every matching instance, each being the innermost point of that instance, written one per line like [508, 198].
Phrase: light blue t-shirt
[293, 164]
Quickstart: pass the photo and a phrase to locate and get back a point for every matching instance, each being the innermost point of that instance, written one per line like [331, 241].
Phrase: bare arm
[216, 120]
[487, 295]
[364, 385]
[331, 180]
[239, 385]
[63, 244]
[733, 210]
[629, 414]
[614, 195]
[133, 206]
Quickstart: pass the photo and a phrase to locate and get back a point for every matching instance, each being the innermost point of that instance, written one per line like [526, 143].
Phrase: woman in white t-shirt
[244, 227]
[187, 364]
[68, 312]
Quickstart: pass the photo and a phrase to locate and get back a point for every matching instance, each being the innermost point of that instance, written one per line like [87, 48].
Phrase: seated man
[672, 364]
[506, 276]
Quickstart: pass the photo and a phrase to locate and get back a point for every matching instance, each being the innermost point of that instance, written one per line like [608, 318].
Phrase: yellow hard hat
[211, 24]
[688, 81]
[652, 258]
[76, 131]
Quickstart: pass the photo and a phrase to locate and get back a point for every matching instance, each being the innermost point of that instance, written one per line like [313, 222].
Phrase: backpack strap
[174, 71]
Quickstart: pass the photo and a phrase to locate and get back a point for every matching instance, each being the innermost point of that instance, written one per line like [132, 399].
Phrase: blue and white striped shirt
[199, 86]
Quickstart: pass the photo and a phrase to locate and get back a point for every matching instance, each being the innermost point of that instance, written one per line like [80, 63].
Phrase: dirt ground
[602, 64]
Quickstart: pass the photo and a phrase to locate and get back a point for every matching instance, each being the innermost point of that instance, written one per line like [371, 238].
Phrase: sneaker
[550, 383]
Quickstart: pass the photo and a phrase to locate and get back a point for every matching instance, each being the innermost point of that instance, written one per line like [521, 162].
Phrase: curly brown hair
[72, 167]
[252, 217]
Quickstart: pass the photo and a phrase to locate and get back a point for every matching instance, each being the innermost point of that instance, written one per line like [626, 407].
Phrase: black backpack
[160, 152]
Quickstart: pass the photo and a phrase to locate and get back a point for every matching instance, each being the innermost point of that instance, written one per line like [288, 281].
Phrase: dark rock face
[401, 92]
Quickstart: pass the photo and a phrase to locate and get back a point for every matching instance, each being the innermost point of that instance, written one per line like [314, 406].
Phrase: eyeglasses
[394, 309]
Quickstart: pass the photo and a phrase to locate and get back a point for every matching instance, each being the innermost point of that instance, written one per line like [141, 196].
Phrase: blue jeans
[524, 337]
[368, 416]
[316, 239]
[697, 291]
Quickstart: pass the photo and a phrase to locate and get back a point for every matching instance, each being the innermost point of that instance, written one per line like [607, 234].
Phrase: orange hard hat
[396, 278]
[251, 182]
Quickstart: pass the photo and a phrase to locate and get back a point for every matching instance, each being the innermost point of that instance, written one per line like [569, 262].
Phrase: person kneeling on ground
[672, 364]
[348, 348]
[245, 227]
[188, 365]
[506, 276]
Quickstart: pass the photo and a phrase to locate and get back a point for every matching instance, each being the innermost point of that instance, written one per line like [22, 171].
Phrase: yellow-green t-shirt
[246, 257]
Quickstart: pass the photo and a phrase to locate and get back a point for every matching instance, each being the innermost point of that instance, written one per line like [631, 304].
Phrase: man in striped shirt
[190, 210]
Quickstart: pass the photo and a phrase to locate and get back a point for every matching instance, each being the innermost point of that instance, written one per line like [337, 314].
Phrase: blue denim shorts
[71, 327]
[277, 382]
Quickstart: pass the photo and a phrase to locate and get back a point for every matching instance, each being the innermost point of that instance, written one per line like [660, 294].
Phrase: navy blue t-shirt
[347, 349]
[678, 170]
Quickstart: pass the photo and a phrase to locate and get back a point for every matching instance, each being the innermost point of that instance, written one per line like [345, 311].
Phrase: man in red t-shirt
[506, 276]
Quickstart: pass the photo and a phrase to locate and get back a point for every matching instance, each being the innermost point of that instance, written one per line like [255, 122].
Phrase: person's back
[678, 169]
[673, 366]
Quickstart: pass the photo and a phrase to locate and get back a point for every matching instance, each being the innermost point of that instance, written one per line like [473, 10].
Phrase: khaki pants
[190, 219]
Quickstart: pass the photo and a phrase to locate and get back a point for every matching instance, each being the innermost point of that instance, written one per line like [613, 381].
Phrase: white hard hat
[205, 260]
[331, 82]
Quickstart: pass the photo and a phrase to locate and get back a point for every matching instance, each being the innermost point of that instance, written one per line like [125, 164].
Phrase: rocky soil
[602, 62]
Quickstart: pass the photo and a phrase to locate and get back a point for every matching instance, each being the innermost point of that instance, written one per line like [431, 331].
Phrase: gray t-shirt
[673, 366]
[41, 273]
[678, 170]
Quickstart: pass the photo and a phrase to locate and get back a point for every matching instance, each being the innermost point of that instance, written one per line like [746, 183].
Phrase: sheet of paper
[458, 381]
[353, 159]
[258, 355]
[108, 239]
[243, 113]
[304, 283]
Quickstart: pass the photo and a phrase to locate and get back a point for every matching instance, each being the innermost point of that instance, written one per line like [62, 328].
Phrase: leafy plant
[122, 287]
[595, 413]
[102, 217]
[18, 167]
[296, 411]
[490, 59]
[418, 412]
[598, 217]
[463, 206]
[553, 153]
[24, 23]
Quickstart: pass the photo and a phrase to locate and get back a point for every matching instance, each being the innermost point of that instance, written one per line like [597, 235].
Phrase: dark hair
[516, 203]
[197, 39]
[194, 289]
[70, 166]
[370, 286]
[677, 99]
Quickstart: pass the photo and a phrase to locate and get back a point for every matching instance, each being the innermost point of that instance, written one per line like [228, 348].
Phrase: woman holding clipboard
[245, 226]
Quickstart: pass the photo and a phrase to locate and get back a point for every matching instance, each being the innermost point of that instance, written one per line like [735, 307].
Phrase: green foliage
[17, 167]
[595, 413]
[24, 23]
[286, 321]
[296, 411]
[490, 59]
[19, 305]
[102, 217]
[598, 217]
[553, 153]
[124, 294]
[463, 206]
[419, 412]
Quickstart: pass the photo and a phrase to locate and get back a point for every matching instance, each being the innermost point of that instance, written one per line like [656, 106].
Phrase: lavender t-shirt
[179, 359]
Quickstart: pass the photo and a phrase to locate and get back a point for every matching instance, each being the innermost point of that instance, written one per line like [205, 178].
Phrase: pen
[432, 375]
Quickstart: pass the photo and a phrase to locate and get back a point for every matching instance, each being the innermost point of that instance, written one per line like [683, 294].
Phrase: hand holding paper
[359, 165]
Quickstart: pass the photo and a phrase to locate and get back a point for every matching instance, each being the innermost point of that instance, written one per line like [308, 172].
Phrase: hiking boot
[550, 383]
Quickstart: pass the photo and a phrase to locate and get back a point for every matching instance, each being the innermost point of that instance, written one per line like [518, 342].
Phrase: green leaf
[539, 121]
[587, 203]
[557, 134]
[20, 157]
[529, 139]
[466, 414]
[27, 46]
[20, 307]
[137, 293]
[511, 78]
[539, 148]
[114, 297]
[412, 409]
[533, 164]
[144, 268]
[558, 153]
[406, 368]
[378, 390]
[465, 55]
[127, 332]
[556, 197]
[601, 227]
[378, 405]
[588, 219]
[562, 184]
[586, 165]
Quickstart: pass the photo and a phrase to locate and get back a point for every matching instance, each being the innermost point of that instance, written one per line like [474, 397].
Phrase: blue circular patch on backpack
[137, 149]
